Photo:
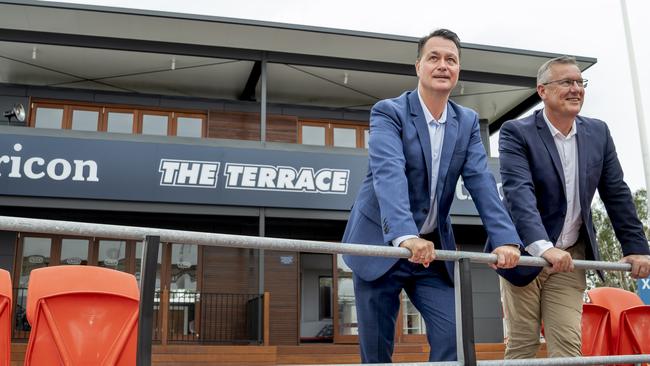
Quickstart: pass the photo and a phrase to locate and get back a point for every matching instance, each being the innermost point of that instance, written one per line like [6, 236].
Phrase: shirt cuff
[537, 248]
[397, 241]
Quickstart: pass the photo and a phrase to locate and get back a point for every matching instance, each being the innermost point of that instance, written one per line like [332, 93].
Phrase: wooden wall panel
[246, 126]
[229, 270]
[282, 281]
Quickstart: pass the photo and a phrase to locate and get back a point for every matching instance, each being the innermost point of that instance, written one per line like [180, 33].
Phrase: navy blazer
[394, 198]
[533, 185]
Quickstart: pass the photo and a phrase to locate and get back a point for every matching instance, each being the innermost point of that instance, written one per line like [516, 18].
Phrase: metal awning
[126, 50]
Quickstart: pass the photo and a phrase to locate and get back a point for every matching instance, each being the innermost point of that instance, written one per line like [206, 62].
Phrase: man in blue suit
[420, 143]
[552, 162]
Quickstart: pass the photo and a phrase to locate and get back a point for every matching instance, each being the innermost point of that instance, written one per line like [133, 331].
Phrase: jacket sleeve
[388, 166]
[618, 201]
[481, 185]
[518, 186]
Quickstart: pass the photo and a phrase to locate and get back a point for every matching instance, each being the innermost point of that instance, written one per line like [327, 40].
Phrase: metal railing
[213, 318]
[464, 311]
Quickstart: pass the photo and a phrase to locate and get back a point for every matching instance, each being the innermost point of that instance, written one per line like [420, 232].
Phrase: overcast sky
[592, 28]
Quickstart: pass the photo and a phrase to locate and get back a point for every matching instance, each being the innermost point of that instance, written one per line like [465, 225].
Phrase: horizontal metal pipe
[570, 361]
[57, 227]
[559, 361]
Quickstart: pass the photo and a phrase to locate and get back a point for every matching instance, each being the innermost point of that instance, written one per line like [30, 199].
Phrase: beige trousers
[555, 299]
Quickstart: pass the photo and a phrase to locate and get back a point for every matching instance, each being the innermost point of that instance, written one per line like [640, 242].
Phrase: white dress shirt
[567, 148]
[436, 137]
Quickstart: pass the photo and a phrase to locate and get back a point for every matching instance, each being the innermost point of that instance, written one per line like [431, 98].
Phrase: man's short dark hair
[442, 33]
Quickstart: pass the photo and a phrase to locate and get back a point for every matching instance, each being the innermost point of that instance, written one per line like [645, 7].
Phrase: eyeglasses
[567, 83]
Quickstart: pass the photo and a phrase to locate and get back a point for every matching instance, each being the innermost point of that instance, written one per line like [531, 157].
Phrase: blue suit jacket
[533, 185]
[394, 197]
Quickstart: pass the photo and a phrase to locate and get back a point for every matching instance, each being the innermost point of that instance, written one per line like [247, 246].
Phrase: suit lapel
[448, 145]
[547, 138]
[582, 160]
[417, 118]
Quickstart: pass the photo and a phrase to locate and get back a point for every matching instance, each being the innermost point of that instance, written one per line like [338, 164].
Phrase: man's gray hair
[545, 69]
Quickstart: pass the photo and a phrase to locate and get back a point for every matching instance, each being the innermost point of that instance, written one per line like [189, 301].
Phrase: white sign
[36, 167]
[286, 179]
[188, 173]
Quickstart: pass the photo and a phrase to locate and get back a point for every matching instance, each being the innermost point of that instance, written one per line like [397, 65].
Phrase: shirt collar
[428, 116]
[555, 131]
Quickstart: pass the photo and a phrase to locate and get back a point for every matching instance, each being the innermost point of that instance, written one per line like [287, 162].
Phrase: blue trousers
[378, 301]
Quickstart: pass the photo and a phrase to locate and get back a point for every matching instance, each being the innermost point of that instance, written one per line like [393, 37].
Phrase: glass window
[74, 251]
[366, 137]
[346, 306]
[119, 122]
[184, 261]
[345, 137]
[48, 118]
[85, 120]
[189, 127]
[138, 263]
[154, 125]
[36, 254]
[112, 254]
[325, 298]
[313, 135]
[412, 319]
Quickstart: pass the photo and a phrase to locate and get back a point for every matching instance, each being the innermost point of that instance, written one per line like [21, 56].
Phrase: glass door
[345, 311]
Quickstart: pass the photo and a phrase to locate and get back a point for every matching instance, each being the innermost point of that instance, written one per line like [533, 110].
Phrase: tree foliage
[610, 248]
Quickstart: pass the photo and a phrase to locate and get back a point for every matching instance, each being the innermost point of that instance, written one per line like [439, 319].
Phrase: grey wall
[7, 250]
[486, 298]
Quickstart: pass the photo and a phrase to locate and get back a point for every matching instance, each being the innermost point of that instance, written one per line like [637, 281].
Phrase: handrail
[556, 361]
[46, 226]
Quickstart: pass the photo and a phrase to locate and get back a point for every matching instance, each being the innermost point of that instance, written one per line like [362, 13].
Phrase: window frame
[68, 108]
[329, 131]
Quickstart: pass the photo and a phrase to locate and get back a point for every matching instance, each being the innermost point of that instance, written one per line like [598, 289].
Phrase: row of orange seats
[79, 315]
[615, 322]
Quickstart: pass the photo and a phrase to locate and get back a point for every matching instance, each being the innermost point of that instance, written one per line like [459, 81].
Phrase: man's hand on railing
[422, 250]
[640, 265]
[507, 256]
[559, 259]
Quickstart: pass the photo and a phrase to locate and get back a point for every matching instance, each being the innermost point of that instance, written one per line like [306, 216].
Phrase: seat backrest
[596, 331]
[615, 300]
[634, 336]
[82, 315]
[5, 318]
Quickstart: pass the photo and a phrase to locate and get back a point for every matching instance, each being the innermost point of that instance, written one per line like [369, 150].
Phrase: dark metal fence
[212, 318]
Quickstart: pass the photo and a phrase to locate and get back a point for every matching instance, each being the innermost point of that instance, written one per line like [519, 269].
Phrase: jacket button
[425, 211]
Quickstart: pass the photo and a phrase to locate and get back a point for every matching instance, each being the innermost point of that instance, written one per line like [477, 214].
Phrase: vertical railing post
[464, 312]
[147, 287]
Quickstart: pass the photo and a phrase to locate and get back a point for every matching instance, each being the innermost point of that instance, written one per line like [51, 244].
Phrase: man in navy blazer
[420, 144]
[552, 162]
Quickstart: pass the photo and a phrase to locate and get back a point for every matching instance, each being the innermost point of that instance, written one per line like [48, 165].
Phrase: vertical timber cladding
[228, 275]
[281, 281]
[246, 126]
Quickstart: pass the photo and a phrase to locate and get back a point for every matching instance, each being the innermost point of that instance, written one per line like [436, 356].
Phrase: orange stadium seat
[615, 300]
[82, 315]
[634, 331]
[5, 318]
[596, 331]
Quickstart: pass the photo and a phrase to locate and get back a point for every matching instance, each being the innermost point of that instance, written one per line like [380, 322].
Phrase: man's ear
[541, 91]
[417, 67]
